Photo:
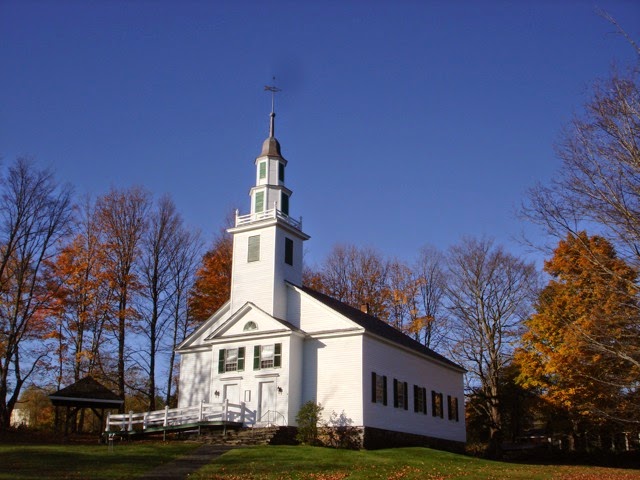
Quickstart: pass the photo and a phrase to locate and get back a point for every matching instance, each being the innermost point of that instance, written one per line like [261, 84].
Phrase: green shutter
[406, 396]
[441, 397]
[424, 400]
[434, 411]
[277, 357]
[241, 359]
[256, 357]
[374, 397]
[284, 200]
[384, 390]
[221, 361]
[253, 249]
[395, 393]
[259, 202]
[415, 398]
[281, 172]
[288, 251]
[263, 170]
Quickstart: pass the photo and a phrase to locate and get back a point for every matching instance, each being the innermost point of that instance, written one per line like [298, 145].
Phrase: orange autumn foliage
[212, 285]
[578, 348]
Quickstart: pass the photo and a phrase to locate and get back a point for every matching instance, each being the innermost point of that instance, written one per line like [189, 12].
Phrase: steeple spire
[273, 89]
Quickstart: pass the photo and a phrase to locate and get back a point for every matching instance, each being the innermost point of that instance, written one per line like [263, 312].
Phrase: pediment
[198, 336]
[248, 321]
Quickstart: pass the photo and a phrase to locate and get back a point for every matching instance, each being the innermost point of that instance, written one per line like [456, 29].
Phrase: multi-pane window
[231, 360]
[400, 397]
[288, 251]
[263, 170]
[281, 171]
[452, 404]
[259, 202]
[267, 356]
[419, 399]
[437, 409]
[253, 253]
[378, 388]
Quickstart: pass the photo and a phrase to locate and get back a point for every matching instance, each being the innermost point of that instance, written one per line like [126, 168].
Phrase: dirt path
[184, 466]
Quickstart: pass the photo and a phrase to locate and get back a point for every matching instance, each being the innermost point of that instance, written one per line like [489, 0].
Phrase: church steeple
[267, 242]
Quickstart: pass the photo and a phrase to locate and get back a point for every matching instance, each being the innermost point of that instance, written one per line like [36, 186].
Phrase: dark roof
[377, 327]
[86, 392]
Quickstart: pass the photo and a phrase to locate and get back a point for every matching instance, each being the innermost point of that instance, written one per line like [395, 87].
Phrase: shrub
[307, 418]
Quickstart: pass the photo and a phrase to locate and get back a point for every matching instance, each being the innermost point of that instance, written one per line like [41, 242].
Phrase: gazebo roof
[86, 393]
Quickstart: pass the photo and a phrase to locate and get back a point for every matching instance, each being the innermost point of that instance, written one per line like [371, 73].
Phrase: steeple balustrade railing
[267, 215]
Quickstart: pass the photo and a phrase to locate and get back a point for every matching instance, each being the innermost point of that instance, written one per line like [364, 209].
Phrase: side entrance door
[267, 402]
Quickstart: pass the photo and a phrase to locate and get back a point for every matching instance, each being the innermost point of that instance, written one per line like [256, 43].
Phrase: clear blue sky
[404, 123]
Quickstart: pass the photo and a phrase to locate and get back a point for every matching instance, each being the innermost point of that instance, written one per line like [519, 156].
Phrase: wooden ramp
[209, 415]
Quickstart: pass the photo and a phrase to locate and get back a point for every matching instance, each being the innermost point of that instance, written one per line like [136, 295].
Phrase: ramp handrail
[224, 411]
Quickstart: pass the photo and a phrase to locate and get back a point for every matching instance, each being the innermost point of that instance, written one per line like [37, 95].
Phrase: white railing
[272, 418]
[268, 214]
[175, 417]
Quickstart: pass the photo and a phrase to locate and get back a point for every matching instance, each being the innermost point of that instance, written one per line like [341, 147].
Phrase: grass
[284, 463]
[131, 460]
[127, 460]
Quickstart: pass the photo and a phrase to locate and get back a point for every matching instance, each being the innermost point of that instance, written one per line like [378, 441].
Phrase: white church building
[276, 344]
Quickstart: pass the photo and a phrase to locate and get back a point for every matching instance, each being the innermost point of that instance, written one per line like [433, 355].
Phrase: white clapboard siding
[332, 375]
[405, 366]
[195, 378]
[312, 316]
[253, 281]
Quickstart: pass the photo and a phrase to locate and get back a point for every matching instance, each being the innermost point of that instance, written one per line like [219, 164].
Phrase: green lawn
[127, 460]
[403, 463]
[130, 460]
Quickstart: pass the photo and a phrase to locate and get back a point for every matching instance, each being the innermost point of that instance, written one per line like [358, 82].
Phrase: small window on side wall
[378, 388]
[288, 251]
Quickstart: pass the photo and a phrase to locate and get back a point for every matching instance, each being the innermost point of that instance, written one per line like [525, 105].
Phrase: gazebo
[85, 393]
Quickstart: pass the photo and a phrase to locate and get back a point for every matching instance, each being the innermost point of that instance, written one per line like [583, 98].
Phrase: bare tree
[429, 300]
[159, 248]
[356, 276]
[489, 293]
[598, 187]
[34, 216]
[122, 218]
[183, 270]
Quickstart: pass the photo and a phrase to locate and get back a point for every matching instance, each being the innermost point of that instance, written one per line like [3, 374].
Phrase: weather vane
[273, 89]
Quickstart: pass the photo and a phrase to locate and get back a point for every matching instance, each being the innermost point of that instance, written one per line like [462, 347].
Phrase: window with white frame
[231, 360]
[267, 356]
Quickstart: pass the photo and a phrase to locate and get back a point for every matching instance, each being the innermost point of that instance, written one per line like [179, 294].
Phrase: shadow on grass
[81, 461]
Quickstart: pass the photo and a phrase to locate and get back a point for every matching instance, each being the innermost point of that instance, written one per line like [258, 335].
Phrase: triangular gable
[199, 334]
[314, 316]
[249, 313]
